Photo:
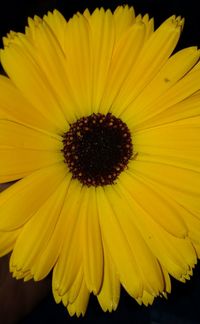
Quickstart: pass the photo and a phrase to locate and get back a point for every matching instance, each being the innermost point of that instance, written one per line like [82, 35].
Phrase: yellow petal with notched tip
[152, 57]
[109, 294]
[143, 224]
[27, 75]
[92, 242]
[69, 263]
[38, 231]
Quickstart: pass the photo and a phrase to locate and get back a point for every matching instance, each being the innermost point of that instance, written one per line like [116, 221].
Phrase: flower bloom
[100, 125]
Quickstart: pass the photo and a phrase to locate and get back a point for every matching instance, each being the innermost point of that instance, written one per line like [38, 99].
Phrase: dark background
[13, 13]
[183, 304]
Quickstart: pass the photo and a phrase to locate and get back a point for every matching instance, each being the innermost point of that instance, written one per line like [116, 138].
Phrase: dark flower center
[97, 149]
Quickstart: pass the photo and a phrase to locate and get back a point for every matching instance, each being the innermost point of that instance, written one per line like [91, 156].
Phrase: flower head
[100, 125]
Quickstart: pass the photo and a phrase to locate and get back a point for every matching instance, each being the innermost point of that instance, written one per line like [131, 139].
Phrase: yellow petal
[193, 224]
[149, 271]
[27, 151]
[79, 306]
[180, 183]
[69, 262]
[122, 62]
[58, 25]
[15, 135]
[30, 29]
[16, 163]
[175, 254]
[179, 112]
[7, 241]
[109, 294]
[92, 242]
[15, 107]
[152, 57]
[73, 292]
[183, 89]
[190, 218]
[146, 299]
[149, 23]
[18, 274]
[102, 39]
[146, 225]
[51, 253]
[174, 69]
[160, 208]
[37, 233]
[24, 71]
[118, 246]
[167, 281]
[78, 63]
[197, 249]
[45, 49]
[175, 144]
[124, 18]
[20, 201]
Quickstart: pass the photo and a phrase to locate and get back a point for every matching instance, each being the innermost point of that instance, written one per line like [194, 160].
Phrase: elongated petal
[45, 49]
[78, 63]
[92, 242]
[17, 163]
[118, 246]
[27, 138]
[49, 255]
[69, 263]
[177, 255]
[153, 56]
[58, 25]
[102, 38]
[187, 194]
[34, 190]
[109, 294]
[177, 144]
[27, 151]
[179, 112]
[173, 70]
[149, 271]
[161, 209]
[27, 75]
[183, 89]
[7, 241]
[71, 295]
[79, 306]
[141, 223]
[193, 225]
[190, 218]
[15, 107]
[124, 18]
[121, 64]
[37, 234]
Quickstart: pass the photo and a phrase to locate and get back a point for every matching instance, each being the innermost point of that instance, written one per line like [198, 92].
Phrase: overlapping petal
[146, 225]
[19, 202]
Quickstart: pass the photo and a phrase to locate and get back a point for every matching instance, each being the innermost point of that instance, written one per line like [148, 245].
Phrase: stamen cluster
[97, 149]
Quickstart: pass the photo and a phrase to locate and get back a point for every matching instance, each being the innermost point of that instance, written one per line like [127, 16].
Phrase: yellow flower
[101, 126]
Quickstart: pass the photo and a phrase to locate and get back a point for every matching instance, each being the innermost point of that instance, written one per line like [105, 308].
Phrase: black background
[183, 304]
